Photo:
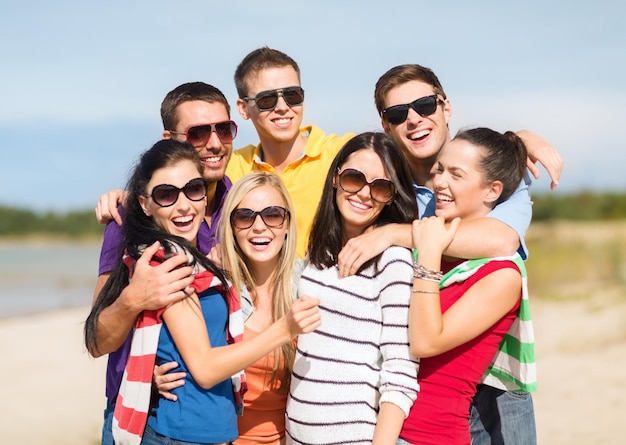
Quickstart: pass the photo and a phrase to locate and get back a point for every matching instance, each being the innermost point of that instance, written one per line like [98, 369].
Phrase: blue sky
[82, 82]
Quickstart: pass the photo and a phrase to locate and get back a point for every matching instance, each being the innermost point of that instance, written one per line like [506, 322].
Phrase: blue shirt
[199, 415]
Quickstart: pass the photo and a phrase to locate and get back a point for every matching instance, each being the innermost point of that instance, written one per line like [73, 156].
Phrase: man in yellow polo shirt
[270, 95]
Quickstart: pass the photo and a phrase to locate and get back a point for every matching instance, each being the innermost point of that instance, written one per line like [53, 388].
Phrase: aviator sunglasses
[199, 135]
[267, 100]
[165, 195]
[424, 106]
[352, 180]
[273, 216]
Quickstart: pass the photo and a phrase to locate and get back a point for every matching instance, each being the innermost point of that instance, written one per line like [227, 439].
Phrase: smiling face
[282, 124]
[358, 210]
[459, 184]
[419, 137]
[260, 243]
[183, 218]
[215, 154]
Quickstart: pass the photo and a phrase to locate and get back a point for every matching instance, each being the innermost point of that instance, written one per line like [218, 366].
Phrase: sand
[54, 392]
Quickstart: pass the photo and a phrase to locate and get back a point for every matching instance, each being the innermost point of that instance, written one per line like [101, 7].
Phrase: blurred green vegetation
[577, 260]
[15, 222]
[582, 206]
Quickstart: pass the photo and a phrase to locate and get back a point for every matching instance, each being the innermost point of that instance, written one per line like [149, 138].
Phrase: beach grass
[572, 260]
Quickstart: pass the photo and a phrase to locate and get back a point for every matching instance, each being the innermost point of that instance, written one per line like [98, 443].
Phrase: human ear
[385, 126]
[144, 205]
[242, 108]
[494, 191]
[447, 110]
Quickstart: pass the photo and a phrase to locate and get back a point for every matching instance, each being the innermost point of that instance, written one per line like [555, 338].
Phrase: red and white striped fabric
[133, 401]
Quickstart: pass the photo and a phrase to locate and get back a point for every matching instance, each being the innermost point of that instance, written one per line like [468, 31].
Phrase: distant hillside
[582, 206]
[75, 224]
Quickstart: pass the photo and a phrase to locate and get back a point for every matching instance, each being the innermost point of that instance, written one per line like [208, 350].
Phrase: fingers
[162, 285]
[106, 209]
[534, 170]
[359, 250]
[306, 314]
[165, 382]
[215, 255]
[349, 260]
[161, 370]
[454, 225]
[116, 216]
[305, 302]
[555, 168]
[149, 252]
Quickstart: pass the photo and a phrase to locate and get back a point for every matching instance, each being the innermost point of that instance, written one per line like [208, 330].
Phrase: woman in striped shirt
[354, 379]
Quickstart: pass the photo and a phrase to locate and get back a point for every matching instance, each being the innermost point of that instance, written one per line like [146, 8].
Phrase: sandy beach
[56, 391]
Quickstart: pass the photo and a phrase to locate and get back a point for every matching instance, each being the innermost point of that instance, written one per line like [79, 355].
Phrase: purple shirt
[111, 253]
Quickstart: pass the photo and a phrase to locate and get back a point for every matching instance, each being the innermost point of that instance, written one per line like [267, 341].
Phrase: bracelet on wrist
[423, 291]
[425, 273]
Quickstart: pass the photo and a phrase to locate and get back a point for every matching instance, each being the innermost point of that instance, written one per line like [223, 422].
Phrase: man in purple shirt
[199, 114]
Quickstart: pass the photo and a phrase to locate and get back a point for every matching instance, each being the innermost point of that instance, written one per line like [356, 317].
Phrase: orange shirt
[263, 420]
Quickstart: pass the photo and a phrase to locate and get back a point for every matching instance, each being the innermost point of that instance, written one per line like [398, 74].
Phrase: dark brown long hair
[326, 237]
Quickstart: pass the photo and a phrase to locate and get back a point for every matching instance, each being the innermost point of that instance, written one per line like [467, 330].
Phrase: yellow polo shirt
[303, 178]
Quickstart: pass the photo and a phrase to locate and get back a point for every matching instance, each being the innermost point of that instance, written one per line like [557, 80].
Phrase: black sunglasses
[165, 195]
[424, 106]
[267, 100]
[352, 180]
[273, 216]
[199, 135]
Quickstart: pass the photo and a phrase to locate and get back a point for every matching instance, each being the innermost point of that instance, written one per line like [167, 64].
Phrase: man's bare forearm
[483, 238]
[114, 325]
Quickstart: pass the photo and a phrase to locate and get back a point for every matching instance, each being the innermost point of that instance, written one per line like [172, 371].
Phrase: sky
[81, 82]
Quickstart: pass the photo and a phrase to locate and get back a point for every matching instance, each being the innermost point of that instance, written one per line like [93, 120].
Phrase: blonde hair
[238, 266]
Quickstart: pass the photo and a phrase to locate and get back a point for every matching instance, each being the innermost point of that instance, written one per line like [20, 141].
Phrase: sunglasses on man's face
[352, 180]
[273, 216]
[199, 135]
[424, 106]
[165, 195]
[267, 100]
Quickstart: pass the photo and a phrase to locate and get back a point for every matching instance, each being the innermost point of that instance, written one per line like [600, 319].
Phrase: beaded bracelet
[425, 273]
[422, 291]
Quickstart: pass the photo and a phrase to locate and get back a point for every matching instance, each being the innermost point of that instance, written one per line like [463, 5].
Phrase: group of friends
[318, 289]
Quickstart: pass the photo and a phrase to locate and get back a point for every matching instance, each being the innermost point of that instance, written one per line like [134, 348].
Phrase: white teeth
[444, 198]
[282, 121]
[260, 240]
[419, 134]
[359, 205]
[212, 159]
[184, 220]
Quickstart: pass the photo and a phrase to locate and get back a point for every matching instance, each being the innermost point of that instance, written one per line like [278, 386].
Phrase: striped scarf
[514, 367]
[133, 401]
